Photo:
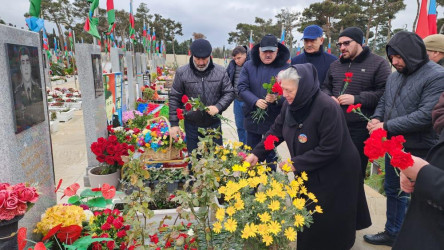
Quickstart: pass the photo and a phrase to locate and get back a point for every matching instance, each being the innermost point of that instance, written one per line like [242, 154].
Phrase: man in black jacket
[406, 109]
[367, 84]
[200, 78]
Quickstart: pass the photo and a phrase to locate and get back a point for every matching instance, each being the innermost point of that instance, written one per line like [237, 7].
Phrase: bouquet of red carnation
[196, 104]
[15, 200]
[110, 151]
[377, 145]
[274, 87]
[109, 224]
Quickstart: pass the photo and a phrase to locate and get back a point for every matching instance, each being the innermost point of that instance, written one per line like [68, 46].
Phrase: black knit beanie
[354, 33]
[201, 48]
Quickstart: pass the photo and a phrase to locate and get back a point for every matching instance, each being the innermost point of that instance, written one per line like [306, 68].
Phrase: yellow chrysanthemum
[217, 227]
[318, 209]
[304, 176]
[250, 230]
[252, 173]
[286, 168]
[239, 205]
[312, 197]
[299, 203]
[261, 197]
[274, 227]
[230, 225]
[303, 190]
[223, 158]
[299, 220]
[265, 217]
[267, 239]
[226, 151]
[300, 180]
[60, 214]
[274, 205]
[230, 210]
[262, 229]
[290, 233]
[292, 192]
[220, 214]
[294, 184]
[243, 183]
[270, 193]
[263, 179]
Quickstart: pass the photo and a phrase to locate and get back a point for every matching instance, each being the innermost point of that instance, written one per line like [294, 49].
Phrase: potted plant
[109, 153]
[54, 122]
[15, 201]
[66, 114]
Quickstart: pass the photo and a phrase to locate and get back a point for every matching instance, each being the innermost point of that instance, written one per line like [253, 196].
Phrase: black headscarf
[307, 90]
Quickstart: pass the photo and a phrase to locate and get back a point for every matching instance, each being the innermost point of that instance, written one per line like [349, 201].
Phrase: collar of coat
[201, 73]
[282, 57]
[358, 59]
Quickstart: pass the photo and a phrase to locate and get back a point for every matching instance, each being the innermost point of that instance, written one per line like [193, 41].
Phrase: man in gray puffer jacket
[406, 109]
[200, 78]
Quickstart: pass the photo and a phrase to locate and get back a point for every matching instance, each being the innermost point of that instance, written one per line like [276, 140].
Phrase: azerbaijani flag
[45, 40]
[144, 35]
[154, 40]
[34, 22]
[427, 19]
[70, 38]
[329, 48]
[298, 52]
[111, 16]
[283, 36]
[251, 40]
[55, 45]
[91, 21]
[132, 31]
[149, 38]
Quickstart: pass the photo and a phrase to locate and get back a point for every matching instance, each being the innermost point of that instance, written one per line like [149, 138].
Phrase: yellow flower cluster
[66, 215]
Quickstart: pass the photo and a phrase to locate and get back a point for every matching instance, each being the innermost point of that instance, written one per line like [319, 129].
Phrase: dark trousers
[253, 139]
[358, 134]
[192, 135]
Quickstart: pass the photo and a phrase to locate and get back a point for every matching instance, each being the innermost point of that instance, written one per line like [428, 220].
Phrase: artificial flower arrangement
[135, 119]
[156, 136]
[273, 87]
[109, 153]
[125, 134]
[265, 208]
[16, 200]
[173, 237]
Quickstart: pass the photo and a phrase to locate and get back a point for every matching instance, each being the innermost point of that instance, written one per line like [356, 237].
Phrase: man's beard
[203, 68]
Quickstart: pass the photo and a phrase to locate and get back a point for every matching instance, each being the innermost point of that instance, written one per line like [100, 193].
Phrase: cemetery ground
[70, 163]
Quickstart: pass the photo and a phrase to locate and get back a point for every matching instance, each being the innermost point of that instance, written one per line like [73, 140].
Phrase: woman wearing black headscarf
[423, 226]
[316, 133]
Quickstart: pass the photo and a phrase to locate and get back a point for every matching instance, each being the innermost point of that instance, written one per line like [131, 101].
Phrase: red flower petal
[58, 186]
[21, 238]
[108, 191]
[51, 232]
[269, 142]
[71, 190]
[69, 234]
[350, 108]
[39, 246]
[185, 99]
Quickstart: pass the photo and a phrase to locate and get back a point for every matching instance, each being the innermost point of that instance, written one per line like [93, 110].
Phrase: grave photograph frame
[96, 60]
[26, 84]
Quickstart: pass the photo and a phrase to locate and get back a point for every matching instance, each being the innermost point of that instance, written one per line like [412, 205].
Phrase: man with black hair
[406, 109]
[200, 78]
[240, 56]
[367, 85]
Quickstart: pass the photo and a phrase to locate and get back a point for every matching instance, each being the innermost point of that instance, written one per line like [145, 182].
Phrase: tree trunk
[389, 31]
[376, 37]
[370, 18]
[174, 53]
[417, 16]
[441, 30]
[61, 35]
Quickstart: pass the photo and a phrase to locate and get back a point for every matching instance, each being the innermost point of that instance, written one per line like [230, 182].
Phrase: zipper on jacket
[204, 99]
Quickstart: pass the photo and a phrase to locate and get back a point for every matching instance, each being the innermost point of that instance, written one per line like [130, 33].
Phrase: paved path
[69, 151]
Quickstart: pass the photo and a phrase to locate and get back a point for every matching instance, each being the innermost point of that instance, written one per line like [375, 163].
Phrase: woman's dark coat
[330, 159]
[423, 227]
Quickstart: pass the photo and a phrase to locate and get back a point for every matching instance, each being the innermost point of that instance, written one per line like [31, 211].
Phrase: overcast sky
[212, 18]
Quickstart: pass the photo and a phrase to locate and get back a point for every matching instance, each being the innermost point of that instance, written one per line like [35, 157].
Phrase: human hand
[412, 172]
[406, 185]
[335, 99]
[376, 126]
[252, 159]
[270, 98]
[261, 103]
[212, 110]
[346, 99]
[372, 123]
[282, 163]
[175, 131]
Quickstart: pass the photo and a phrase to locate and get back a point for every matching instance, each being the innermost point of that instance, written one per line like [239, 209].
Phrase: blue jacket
[253, 75]
[320, 60]
[231, 68]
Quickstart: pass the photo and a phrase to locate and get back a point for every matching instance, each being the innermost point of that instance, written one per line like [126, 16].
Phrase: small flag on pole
[91, 21]
[283, 35]
[251, 39]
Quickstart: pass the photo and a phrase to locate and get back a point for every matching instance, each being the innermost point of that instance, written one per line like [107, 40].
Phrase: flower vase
[8, 233]
[96, 180]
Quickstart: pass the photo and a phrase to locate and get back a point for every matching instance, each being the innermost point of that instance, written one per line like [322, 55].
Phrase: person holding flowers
[359, 76]
[406, 109]
[199, 79]
[317, 137]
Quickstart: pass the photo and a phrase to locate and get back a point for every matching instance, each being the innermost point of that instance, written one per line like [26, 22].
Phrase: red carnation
[277, 88]
[106, 226]
[394, 144]
[185, 99]
[379, 134]
[180, 114]
[121, 233]
[269, 142]
[373, 149]
[188, 106]
[110, 244]
[350, 108]
[348, 74]
[401, 159]
[117, 224]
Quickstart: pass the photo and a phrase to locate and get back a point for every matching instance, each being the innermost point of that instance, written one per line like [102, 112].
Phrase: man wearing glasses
[365, 86]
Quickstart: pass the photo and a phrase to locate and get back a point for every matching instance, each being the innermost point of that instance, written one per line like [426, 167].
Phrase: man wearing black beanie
[200, 78]
[366, 85]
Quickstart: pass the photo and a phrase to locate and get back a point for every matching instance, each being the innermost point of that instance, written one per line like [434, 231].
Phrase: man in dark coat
[268, 58]
[367, 85]
[314, 51]
[435, 48]
[423, 226]
[406, 109]
[200, 78]
[240, 55]
[317, 137]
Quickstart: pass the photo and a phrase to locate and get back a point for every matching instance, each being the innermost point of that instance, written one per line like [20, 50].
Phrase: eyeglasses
[345, 43]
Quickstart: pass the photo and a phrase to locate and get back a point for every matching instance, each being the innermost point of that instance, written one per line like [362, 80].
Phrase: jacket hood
[281, 59]
[308, 85]
[411, 48]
